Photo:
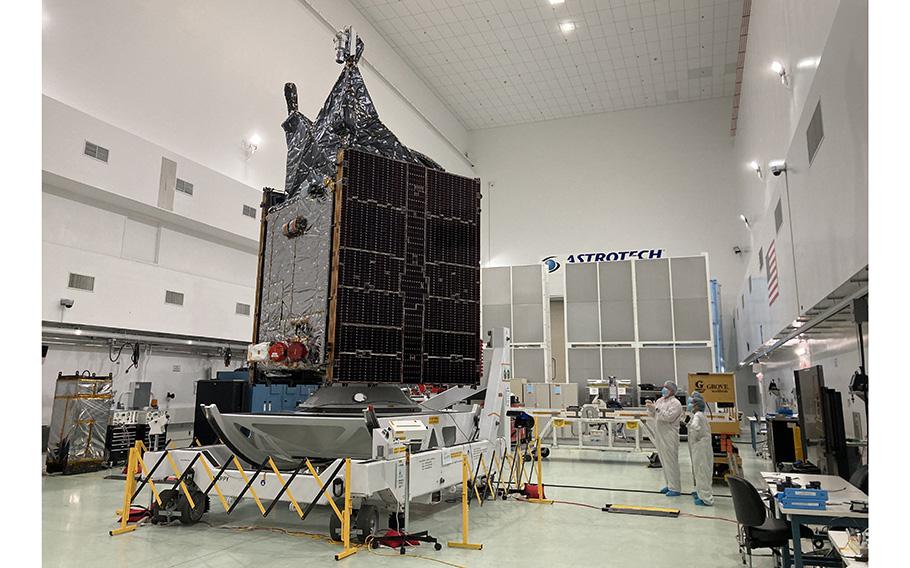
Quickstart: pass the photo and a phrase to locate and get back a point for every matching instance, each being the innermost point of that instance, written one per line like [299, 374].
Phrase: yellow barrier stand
[474, 482]
[539, 498]
[327, 496]
[288, 490]
[465, 475]
[140, 447]
[247, 480]
[487, 472]
[520, 469]
[208, 471]
[346, 517]
[125, 527]
[178, 473]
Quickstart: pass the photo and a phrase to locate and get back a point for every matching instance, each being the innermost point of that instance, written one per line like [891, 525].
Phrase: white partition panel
[617, 315]
[530, 363]
[516, 297]
[645, 320]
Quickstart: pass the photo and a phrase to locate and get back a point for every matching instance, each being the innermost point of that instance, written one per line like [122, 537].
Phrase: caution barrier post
[465, 478]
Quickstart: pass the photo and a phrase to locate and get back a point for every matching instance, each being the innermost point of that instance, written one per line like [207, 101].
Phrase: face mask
[689, 407]
[665, 392]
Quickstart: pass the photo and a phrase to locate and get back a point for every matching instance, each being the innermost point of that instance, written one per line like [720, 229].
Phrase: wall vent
[249, 211]
[184, 186]
[778, 217]
[242, 309]
[171, 297]
[175, 368]
[815, 133]
[81, 282]
[95, 151]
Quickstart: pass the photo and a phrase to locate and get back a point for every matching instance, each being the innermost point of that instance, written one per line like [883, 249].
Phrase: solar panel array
[407, 306]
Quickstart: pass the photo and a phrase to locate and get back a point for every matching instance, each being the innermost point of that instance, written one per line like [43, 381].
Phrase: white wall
[824, 239]
[102, 220]
[660, 177]
[197, 77]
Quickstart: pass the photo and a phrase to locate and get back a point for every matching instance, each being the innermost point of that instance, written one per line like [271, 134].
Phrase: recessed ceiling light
[557, 2]
[567, 27]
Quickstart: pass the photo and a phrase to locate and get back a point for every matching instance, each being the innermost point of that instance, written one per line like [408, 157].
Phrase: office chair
[757, 529]
[860, 479]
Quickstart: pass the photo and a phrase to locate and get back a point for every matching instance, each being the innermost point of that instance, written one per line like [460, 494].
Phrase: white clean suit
[666, 414]
[702, 456]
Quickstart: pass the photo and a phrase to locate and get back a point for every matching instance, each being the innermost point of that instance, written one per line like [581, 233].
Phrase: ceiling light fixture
[557, 2]
[567, 27]
[251, 144]
[779, 68]
[756, 167]
[745, 220]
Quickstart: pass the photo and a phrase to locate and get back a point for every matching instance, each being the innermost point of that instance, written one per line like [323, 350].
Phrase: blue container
[279, 398]
[791, 493]
[807, 504]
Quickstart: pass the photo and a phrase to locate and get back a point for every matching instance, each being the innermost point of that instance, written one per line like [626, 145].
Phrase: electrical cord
[134, 357]
[368, 545]
[587, 506]
[618, 490]
[327, 539]
[709, 517]
[110, 354]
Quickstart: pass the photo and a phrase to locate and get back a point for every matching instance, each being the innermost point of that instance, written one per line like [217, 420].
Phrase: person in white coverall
[665, 415]
[701, 451]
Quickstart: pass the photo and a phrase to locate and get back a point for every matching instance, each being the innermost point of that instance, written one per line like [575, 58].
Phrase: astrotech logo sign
[552, 264]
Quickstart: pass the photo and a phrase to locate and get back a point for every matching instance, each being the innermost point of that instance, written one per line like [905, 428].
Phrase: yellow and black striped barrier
[135, 464]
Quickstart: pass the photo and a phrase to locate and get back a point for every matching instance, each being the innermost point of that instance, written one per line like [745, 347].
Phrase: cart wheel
[366, 522]
[544, 452]
[169, 502]
[437, 546]
[190, 515]
[334, 527]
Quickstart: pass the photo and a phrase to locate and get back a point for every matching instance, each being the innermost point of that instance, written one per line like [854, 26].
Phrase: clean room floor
[79, 510]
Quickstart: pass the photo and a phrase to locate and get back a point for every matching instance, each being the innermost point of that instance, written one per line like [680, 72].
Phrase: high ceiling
[500, 62]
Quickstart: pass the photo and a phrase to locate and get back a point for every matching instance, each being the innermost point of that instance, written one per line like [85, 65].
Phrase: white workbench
[840, 493]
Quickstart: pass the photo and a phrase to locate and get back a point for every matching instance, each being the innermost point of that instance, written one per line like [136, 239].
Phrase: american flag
[771, 269]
